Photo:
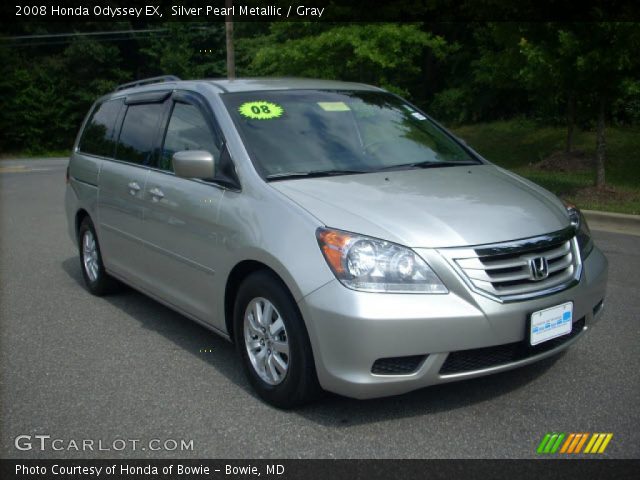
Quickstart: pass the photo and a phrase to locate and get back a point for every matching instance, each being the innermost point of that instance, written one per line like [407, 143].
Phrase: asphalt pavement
[125, 368]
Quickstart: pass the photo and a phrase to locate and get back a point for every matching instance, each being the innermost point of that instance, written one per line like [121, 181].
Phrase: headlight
[583, 233]
[372, 265]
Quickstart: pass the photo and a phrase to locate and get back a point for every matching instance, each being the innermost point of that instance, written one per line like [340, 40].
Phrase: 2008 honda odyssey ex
[337, 234]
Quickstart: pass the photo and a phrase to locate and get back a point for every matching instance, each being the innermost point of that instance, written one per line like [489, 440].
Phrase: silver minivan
[339, 236]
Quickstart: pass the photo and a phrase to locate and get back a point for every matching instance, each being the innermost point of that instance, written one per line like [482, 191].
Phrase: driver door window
[187, 130]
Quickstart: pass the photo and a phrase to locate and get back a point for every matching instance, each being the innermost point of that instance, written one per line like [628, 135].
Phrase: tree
[187, 49]
[88, 69]
[495, 80]
[46, 100]
[607, 59]
[388, 55]
[591, 62]
[550, 70]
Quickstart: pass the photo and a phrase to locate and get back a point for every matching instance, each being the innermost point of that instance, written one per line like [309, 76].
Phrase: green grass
[518, 144]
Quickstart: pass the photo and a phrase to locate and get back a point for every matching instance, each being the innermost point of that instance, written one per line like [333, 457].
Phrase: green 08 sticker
[260, 110]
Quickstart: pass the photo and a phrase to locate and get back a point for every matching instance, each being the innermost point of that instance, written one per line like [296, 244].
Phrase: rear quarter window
[98, 136]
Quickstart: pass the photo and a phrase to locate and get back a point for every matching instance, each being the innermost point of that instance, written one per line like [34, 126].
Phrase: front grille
[480, 358]
[503, 271]
[397, 365]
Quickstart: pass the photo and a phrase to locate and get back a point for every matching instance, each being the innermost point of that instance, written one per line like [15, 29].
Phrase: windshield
[309, 132]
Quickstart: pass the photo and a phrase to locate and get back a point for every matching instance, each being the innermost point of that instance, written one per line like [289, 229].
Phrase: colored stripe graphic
[594, 437]
[607, 439]
[581, 442]
[555, 447]
[550, 443]
[598, 443]
[565, 447]
[573, 443]
[543, 443]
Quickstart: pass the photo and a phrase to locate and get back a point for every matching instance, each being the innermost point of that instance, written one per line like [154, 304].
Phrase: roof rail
[147, 81]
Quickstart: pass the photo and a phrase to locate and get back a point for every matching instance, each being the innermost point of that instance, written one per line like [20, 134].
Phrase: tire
[97, 280]
[265, 354]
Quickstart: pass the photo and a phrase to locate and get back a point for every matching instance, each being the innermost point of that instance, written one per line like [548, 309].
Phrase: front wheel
[273, 343]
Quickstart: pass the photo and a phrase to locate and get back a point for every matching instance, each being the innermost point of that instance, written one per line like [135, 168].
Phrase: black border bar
[342, 10]
[542, 469]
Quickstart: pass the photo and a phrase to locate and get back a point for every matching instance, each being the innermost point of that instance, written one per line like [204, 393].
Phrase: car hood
[436, 207]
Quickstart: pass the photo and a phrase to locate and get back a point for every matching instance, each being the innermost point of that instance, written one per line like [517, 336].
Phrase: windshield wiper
[426, 164]
[313, 174]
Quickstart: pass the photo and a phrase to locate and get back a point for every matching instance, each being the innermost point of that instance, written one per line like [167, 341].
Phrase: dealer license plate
[551, 323]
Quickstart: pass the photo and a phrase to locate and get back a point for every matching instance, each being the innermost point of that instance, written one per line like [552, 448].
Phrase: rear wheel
[273, 343]
[96, 278]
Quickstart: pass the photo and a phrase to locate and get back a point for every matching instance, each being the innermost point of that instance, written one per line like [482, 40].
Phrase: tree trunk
[601, 145]
[231, 58]
[571, 121]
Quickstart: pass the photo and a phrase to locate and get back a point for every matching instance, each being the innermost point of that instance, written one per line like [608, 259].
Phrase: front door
[181, 220]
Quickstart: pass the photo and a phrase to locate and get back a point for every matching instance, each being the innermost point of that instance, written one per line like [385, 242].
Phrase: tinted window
[187, 130]
[138, 133]
[301, 131]
[98, 136]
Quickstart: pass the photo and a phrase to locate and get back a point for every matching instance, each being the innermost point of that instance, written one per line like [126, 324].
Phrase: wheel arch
[81, 214]
[235, 278]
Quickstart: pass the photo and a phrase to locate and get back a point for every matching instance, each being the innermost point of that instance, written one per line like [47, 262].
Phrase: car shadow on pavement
[187, 335]
[331, 410]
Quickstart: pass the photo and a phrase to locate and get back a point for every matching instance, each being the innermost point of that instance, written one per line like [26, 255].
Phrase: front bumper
[350, 330]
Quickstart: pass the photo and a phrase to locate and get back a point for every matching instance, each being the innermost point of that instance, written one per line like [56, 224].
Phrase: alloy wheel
[90, 255]
[266, 341]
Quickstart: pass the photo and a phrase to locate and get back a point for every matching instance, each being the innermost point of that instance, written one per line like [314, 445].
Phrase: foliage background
[561, 80]
[459, 72]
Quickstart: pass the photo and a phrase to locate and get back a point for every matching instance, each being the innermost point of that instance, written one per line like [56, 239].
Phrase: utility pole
[231, 59]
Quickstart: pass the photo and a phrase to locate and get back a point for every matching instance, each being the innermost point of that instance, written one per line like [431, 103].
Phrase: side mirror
[193, 164]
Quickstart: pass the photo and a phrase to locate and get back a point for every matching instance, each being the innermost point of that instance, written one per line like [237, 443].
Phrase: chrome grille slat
[532, 287]
[476, 264]
[561, 264]
[558, 252]
[502, 271]
[499, 277]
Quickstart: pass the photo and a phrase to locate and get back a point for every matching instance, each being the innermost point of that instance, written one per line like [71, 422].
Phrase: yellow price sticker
[260, 110]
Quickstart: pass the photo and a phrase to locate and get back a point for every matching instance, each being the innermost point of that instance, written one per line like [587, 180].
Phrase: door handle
[157, 194]
[133, 188]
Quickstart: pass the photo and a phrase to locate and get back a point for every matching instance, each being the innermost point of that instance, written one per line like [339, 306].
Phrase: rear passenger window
[187, 130]
[138, 133]
[98, 136]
